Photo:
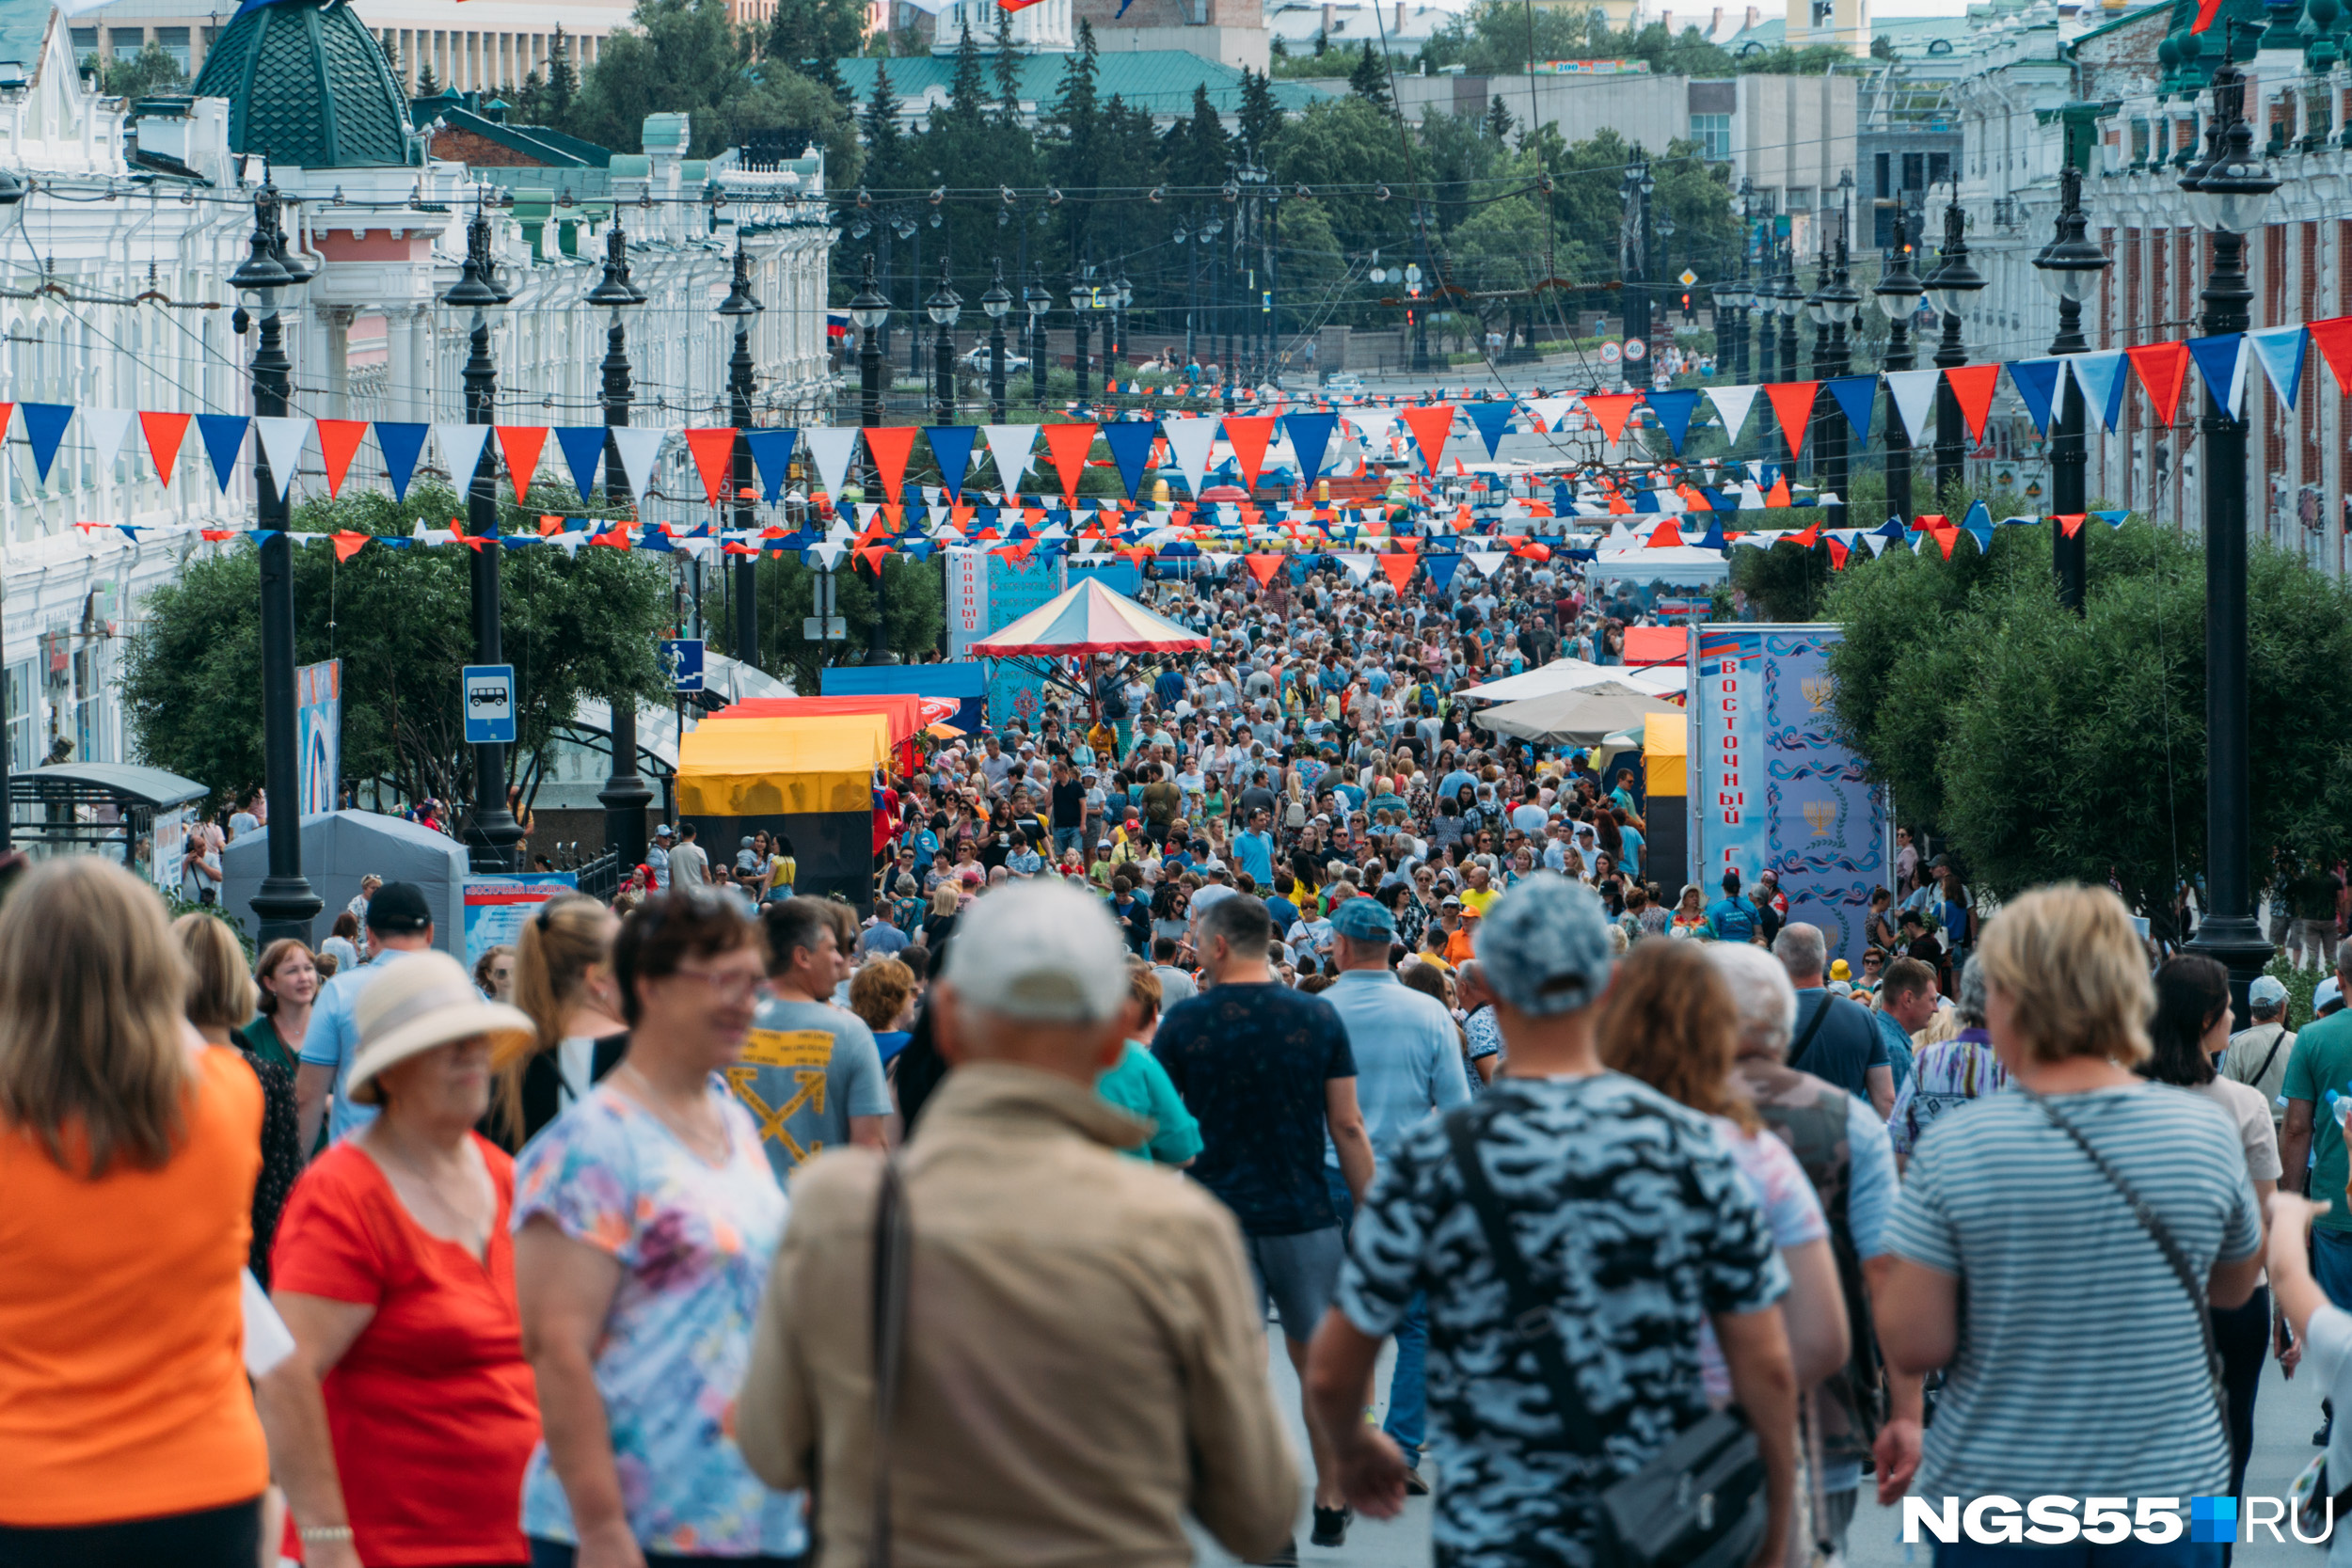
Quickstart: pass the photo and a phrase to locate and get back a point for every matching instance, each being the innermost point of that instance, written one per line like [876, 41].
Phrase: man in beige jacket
[1084, 1361]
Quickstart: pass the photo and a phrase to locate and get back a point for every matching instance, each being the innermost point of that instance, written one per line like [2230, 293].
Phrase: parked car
[976, 361]
[1343, 384]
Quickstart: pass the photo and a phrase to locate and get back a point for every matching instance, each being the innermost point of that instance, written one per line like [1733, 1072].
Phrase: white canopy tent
[1576, 675]
[1681, 565]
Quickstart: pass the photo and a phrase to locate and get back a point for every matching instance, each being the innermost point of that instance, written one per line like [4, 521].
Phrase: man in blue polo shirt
[400, 921]
[1835, 1039]
[1253, 848]
[1408, 1063]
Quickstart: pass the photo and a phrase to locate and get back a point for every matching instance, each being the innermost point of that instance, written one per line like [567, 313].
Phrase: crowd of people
[1269, 1011]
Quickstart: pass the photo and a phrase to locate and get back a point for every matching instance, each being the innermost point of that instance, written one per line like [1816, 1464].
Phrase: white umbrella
[1571, 718]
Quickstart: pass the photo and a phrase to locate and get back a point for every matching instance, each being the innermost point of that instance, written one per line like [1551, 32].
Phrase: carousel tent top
[1089, 619]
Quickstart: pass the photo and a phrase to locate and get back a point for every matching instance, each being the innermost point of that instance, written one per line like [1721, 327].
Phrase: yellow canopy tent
[782, 766]
[1666, 745]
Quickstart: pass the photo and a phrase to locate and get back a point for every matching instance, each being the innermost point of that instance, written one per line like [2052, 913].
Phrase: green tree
[1368, 79]
[563, 81]
[427, 84]
[1194, 150]
[401, 622]
[1007, 67]
[1259, 117]
[688, 56]
[2046, 745]
[810, 35]
[1069, 135]
[967, 91]
[878, 128]
[1498, 118]
[144, 74]
[914, 624]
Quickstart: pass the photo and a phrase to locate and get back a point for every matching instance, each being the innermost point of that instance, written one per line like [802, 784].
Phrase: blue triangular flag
[2037, 382]
[951, 445]
[1980, 532]
[45, 426]
[1892, 528]
[1130, 441]
[2113, 519]
[1714, 540]
[2100, 374]
[2221, 361]
[583, 444]
[1979, 516]
[1441, 569]
[1674, 410]
[223, 435]
[1492, 417]
[401, 444]
[773, 451]
[1311, 438]
[2281, 350]
[1858, 395]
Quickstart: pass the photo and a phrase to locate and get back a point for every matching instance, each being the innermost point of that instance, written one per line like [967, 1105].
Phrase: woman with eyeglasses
[645, 1218]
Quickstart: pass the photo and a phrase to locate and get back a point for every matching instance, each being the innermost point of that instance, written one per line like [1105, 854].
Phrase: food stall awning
[782, 766]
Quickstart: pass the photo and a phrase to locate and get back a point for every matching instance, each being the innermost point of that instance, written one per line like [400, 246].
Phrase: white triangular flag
[1731, 406]
[1488, 561]
[1914, 395]
[107, 427]
[461, 449]
[640, 449]
[282, 440]
[1359, 568]
[830, 447]
[829, 556]
[1190, 441]
[1550, 410]
[1010, 445]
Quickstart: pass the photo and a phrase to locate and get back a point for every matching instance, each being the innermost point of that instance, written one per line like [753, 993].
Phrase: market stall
[810, 779]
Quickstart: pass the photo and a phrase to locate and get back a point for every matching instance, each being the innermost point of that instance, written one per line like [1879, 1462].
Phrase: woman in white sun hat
[395, 1270]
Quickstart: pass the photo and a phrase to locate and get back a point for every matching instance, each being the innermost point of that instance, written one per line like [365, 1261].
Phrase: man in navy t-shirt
[1835, 1039]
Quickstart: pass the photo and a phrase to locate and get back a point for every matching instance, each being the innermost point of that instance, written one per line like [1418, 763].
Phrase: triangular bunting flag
[1731, 406]
[1792, 404]
[44, 427]
[223, 435]
[461, 450]
[2100, 375]
[164, 432]
[1674, 411]
[1310, 439]
[772, 453]
[401, 444]
[1857, 397]
[2333, 339]
[2221, 365]
[640, 448]
[1263, 567]
[338, 443]
[1430, 428]
[282, 440]
[1067, 446]
[1131, 442]
[2280, 351]
[582, 446]
[1973, 385]
[521, 443]
[1913, 393]
[1611, 409]
[1490, 419]
[1249, 435]
[2162, 367]
[107, 427]
[1441, 569]
[713, 450]
[1400, 569]
[2037, 383]
[1010, 446]
[951, 448]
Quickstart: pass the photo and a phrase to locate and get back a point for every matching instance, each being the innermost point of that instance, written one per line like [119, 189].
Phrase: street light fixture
[997, 302]
[2232, 187]
[1039, 299]
[1898, 295]
[943, 308]
[285, 901]
[1081, 291]
[2070, 267]
[1949, 289]
[739, 307]
[626, 793]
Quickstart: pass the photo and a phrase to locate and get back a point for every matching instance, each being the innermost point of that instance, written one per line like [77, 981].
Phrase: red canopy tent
[1081, 621]
[909, 714]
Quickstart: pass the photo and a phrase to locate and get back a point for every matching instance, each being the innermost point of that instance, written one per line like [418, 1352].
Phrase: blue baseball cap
[1544, 945]
[1364, 920]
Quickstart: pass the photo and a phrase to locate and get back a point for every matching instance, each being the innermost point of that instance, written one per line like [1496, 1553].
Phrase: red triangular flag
[1069, 445]
[338, 440]
[1836, 556]
[1665, 536]
[2333, 339]
[521, 443]
[1249, 435]
[890, 446]
[714, 450]
[1778, 494]
[1263, 567]
[1946, 538]
[2161, 368]
[1611, 410]
[165, 432]
[2070, 523]
[1807, 539]
[1973, 386]
[348, 544]
[1400, 569]
[872, 555]
[1793, 403]
[1430, 428]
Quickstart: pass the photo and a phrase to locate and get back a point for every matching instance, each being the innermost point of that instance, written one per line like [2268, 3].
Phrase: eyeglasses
[724, 985]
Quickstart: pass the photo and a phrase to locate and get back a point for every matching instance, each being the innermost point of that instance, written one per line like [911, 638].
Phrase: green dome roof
[306, 85]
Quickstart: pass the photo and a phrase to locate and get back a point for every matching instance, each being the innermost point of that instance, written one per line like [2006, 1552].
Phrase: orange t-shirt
[122, 1387]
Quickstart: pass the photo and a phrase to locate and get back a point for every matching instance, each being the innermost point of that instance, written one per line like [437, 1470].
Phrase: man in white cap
[1082, 1361]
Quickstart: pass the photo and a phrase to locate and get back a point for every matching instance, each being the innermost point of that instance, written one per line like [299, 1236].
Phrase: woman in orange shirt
[128, 1152]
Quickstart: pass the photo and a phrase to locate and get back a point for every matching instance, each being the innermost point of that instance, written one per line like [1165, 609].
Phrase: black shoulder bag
[2158, 1232]
[892, 1239]
[1700, 1501]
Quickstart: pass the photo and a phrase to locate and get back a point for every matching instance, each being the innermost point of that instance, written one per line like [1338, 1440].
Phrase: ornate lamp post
[997, 302]
[739, 307]
[1898, 295]
[263, 279]
[493, 832]
[2070, 267]
[1038, 299]
[1838, 302]
[1767, 296]
[944, 307]
[626, 793]
[2228, 194]
[870, 310]
[1080, 293]
[1788, 300]
[1949, 288]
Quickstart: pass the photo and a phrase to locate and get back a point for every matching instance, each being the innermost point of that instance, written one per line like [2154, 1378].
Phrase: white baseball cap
[1041, 952]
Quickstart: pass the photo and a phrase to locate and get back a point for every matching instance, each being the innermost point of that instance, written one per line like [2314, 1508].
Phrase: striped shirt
[2080, 1366]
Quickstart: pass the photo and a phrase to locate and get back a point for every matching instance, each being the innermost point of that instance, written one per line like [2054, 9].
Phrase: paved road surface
[2284, 1416]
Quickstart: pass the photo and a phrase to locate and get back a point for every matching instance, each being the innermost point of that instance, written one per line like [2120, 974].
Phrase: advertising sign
[1014, 589]
[967, 598]
[1775, 788]
[496, 906]
[319, 734]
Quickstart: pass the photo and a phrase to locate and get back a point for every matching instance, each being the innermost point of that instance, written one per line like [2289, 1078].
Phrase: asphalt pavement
[2285, 1414]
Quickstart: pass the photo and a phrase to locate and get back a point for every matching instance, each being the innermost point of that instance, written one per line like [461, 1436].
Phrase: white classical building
[115, 298]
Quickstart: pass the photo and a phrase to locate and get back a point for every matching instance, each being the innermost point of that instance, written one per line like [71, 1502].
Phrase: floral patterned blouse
[695, 1242]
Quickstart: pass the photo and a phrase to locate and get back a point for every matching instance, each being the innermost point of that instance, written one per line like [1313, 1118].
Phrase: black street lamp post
[2070, 266]
[739, 307]
[1949, 288]
[625, 795]
[1789, 300]
[1038, 299]
[870, 309]
[1080, 292]
[1767, 293]
[2228, 194]
[1897, 298]
[492, 832]
[285, 902]
[1838, 302]
[997, 302]
[944, 307]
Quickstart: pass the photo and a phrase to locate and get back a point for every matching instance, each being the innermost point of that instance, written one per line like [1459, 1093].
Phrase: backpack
[1295, 815]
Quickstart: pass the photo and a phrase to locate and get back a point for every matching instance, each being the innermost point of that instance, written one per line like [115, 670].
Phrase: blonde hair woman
[220, 990]
[563, 982]
[128, 1151]
[2032, 1204]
